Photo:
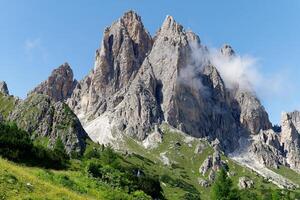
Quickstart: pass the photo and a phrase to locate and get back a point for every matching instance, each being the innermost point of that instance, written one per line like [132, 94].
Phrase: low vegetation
[30, 169]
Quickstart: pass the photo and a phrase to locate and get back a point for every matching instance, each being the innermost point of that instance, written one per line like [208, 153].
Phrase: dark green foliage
[109, 157]
[222, 188]
[190, 196]
[104, 165]
[16, 145]
[91, 152]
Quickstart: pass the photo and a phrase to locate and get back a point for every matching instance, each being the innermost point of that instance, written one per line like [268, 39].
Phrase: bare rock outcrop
[267, 149]
[203, 182]
[206, 165]
[4, 88]
[123, 50]
[41, 116]
[245, 183]
[138, 82]
[290, 138]
[59, 85]
[251, 113]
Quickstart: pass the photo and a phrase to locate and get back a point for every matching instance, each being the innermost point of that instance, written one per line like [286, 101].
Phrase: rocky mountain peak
[59, 85]
[170, 29]
[4, 88]
[290, 138]
[227, 50]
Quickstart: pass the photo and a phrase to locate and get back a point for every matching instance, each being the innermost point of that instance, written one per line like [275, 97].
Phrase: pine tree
[222, 188]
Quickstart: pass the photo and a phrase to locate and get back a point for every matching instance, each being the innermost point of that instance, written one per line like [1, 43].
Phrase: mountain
[59, 85]
[139, 82]
[3, 88]
[43, 117]
[164, 105]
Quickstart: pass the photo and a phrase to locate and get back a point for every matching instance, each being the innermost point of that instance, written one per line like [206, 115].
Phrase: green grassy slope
[182, 176]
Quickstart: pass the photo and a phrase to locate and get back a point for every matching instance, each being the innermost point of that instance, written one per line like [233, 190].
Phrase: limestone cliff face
[138, 82]
[290, 138]
[59, 85]
[41, 116]
[251, 113]
[123, 49]
[3, 88]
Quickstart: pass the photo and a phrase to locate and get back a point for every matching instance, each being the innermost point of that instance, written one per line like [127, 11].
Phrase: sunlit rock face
[138, 82]
[290, 138]
[59, 85]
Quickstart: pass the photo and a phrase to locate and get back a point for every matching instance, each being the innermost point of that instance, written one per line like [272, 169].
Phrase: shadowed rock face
[3, 88]
[41, 116]
[59, 85]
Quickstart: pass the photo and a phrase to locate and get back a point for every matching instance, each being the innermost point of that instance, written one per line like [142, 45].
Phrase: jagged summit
[59, 85]
[227, 50]
[171, 25]
[138, 82]
[4, 88]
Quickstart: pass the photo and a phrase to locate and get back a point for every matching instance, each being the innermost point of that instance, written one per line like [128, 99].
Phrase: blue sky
[37, 36]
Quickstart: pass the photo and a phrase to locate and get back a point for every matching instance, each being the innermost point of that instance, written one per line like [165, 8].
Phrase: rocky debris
[200, 148]
[248, 159]
[153, 139]
[267, 149]
[203, 182]
[4, 88]
[59, 85]
[231, 173]
[216, 161]
[41, 116]
[212, 175]
[206, 165]
[213, 162]
[245, 183]
[290, 138]
[165, 159]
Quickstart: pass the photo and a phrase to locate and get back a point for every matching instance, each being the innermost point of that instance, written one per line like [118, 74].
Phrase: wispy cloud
[34, 49]
[31, 44]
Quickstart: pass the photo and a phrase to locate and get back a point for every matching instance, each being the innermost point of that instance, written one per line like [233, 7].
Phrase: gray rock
[252, 114]
[267, 149]
[216, 161]
[59, 85]
[245, 182]
[41, 116]
[290, 138]
[139, 82]
[199, 148]
[3, 88]
[203, 183]
[123, 49]
[206, 165]
[212, 175]
[227, 50]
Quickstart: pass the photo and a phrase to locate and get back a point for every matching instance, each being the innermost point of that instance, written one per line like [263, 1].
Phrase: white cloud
[31, 44]
[34, 49]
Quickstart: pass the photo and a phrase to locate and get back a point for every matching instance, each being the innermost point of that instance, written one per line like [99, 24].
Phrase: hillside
[176, 161]
[155, 118]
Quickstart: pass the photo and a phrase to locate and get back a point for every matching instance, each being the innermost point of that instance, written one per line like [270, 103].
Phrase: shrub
[16, 145]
